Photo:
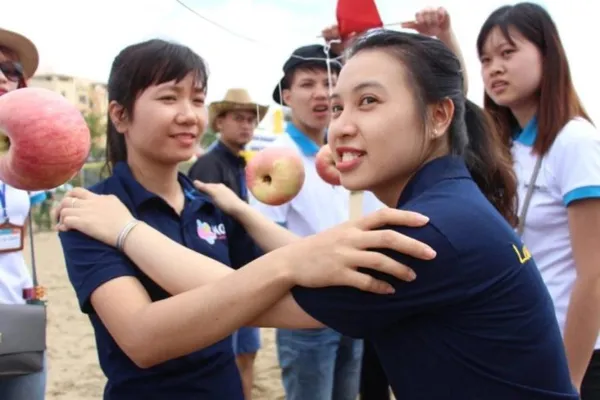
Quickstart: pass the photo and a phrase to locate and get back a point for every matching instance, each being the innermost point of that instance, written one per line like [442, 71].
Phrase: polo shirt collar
[230, 155]
[528, 134]
[140, 195]
[435, 171]
[306, 145]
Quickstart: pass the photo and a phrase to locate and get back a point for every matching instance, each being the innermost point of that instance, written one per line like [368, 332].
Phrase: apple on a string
[327, 170]
[275, 175]
[47, 138]
[325, 165]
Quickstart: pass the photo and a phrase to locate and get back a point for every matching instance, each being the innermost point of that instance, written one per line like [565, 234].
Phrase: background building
[91, 98]
[88, 96]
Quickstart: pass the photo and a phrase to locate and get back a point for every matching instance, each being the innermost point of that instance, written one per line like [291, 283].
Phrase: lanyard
[3, 201]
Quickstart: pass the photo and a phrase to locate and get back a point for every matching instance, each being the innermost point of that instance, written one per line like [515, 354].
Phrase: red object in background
[357, 16]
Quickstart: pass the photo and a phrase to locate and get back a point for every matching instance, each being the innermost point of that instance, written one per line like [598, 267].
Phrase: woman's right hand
[431, 22]
[332, 257]
[332, 34]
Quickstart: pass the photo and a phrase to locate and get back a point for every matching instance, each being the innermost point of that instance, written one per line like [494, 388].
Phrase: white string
[249, 39]
[280, 92]
[215, 23]
[326, 48]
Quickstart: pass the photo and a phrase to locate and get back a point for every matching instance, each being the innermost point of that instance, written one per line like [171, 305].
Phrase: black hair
[435, 74]
[558, 101]
[138, 67]
[289, 75]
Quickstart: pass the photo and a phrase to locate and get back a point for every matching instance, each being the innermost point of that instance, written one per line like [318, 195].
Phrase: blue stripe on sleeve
[581, 193]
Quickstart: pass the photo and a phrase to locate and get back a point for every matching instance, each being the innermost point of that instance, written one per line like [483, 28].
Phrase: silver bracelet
[124, 232]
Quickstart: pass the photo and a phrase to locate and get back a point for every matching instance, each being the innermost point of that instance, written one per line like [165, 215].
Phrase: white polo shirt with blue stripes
[570, 171]
[14, 273]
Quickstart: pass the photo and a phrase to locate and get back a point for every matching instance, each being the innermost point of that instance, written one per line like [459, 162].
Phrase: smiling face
[166, 122]
[376, 133]
[511, 72]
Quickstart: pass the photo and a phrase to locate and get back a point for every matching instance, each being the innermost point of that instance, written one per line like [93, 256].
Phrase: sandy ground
[73, 371]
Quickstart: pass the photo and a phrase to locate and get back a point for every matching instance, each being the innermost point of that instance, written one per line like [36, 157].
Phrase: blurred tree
[97, 127]
[208, 138]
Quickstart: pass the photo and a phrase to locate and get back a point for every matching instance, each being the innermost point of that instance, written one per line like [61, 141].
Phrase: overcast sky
[81, 37]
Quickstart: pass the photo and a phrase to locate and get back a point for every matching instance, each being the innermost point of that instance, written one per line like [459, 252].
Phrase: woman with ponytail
[163, 273]
[477, 322]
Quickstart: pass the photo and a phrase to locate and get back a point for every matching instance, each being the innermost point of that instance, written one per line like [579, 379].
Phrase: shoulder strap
[527, 200]
[34, 276]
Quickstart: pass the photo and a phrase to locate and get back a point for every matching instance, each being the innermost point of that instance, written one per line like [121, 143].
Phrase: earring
[435, 134]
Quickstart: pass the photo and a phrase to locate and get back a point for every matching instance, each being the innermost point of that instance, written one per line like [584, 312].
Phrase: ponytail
[436, 75]
[490, 162]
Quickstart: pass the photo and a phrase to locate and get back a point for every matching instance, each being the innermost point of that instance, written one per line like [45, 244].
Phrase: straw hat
[235, 99]
[24, 48]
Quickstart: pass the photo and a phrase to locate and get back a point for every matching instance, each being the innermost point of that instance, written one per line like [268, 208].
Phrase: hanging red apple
[48, 139]
[325, 165]
[275, 175]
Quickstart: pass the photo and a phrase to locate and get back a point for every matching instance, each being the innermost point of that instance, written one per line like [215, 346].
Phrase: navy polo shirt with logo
[477, 323]
[210, 373]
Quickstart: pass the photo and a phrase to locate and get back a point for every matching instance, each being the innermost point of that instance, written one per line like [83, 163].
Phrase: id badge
[11, 237]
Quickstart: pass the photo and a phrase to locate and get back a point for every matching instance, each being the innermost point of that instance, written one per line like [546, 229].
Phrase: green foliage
[208, 138]
[97, 126]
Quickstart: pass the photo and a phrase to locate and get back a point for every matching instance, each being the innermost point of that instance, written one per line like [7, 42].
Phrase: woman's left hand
[222, 196]
[99, 216]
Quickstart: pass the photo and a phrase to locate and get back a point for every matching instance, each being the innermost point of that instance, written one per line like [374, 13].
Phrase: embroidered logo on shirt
[523, 255]
[210, 233]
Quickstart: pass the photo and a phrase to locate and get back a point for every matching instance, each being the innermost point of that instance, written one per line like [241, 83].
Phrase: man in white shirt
[317, 364]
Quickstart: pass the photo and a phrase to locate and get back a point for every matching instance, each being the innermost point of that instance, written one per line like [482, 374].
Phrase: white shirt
[318, 205]
[14, 273]
[569, 171]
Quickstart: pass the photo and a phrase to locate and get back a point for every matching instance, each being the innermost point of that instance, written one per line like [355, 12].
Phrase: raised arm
[450, 40]
[106, 284]
[195, 270]
[436, 22]
[429, 21]
[268, 235]
[210, 300]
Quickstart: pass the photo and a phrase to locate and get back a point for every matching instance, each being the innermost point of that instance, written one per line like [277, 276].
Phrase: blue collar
[139, 194]
[436, 170]
[308, 147]
[528, 134]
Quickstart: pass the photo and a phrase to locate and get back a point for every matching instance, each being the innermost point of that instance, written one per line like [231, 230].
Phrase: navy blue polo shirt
[210, 373]
[477, 323]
